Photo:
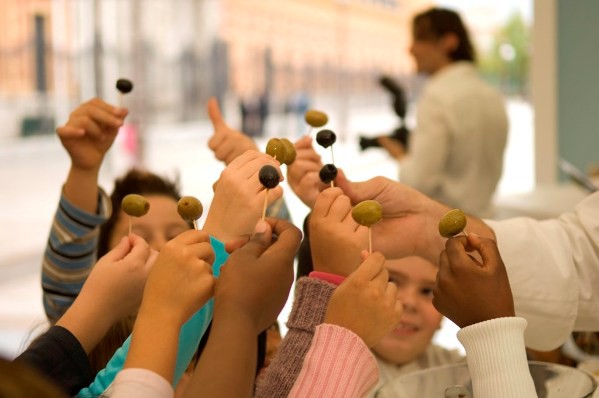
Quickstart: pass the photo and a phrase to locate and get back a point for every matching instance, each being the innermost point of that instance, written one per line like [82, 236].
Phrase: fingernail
[260, 227]
[474, 234]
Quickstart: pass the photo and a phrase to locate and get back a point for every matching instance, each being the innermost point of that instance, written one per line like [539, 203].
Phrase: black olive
[124, 85]
[328, 173]
[269, 177]
[326, 138]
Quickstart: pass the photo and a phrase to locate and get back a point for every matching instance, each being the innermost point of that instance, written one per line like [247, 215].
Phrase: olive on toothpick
[452, 223]
[368, 213]
[124, 86]
[315, 118]
[290, 151]
[328, 173]
[277, 149]
[326, 138]
[134, 205]
[269, 178]
[190, 209]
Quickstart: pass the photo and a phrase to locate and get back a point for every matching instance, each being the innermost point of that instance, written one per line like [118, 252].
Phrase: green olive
[135, 205]
[452, 223]
[276, 149]
[316, 118]
[290, 151]
[367, 213]
[190, 208]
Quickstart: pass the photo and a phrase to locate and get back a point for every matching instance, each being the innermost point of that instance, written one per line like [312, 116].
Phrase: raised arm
[180, 283]
[491, 334]
[83, 207]
[112, 291]
[250, 293]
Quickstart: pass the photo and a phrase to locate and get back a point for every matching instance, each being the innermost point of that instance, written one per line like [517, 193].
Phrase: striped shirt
[70, 253]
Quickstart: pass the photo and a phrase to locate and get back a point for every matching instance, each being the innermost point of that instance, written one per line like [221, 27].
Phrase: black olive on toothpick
[328, 173]
[124, 86]
[269, 178]
[326, 138]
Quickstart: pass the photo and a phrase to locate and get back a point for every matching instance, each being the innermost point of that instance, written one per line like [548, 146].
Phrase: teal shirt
[189, 338]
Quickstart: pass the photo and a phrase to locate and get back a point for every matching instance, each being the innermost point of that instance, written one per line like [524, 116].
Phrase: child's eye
[428, 292]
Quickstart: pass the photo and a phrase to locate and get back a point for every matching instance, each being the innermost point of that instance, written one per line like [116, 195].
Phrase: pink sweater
[338, 364]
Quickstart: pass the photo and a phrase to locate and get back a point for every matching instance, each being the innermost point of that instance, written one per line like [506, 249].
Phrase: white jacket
[456, 151]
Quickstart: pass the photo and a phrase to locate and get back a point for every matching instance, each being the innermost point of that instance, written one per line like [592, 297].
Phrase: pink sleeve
[327, 277]
[338, 364]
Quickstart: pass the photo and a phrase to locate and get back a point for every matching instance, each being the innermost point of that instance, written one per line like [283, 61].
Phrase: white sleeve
[496, 358]
[553, 267]
[140, 383]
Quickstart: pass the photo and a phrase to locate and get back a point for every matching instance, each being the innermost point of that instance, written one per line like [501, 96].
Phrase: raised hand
[256, 278]
[87, 136]
[181, 281]
[366, 294]
[468, 291]
[112, 291]
[239, 197]
[226, 143]
[252, 288]
[90, 132]
[302, 174]
[410, 219]
[336, 240]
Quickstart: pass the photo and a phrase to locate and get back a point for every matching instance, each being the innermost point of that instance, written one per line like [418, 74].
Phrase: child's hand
[90, 132]
[255, 280]
[302, 174]
[117, 280]
[366, 302]
[181, 281]
[336, 240]
[468, 292]
[226, 143]
[239, 197]
[112, 291]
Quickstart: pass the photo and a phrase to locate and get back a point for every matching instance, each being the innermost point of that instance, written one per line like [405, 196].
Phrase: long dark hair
[437, 22]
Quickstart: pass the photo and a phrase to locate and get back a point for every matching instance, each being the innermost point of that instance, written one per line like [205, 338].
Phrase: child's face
[415, 279]
[161, 224]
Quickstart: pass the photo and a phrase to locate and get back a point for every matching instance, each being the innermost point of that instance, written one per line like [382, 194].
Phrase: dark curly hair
[437, 22]
[135, 181]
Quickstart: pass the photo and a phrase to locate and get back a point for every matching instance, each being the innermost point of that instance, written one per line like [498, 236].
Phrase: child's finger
[236, 244]
[140, 250]
[70, 132]
[119, 251]
[192, 236]
[370, 268]
[487, 248]
[203, 251]
[214, 113]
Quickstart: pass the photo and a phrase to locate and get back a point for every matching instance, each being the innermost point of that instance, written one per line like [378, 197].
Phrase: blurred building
[55, 54]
